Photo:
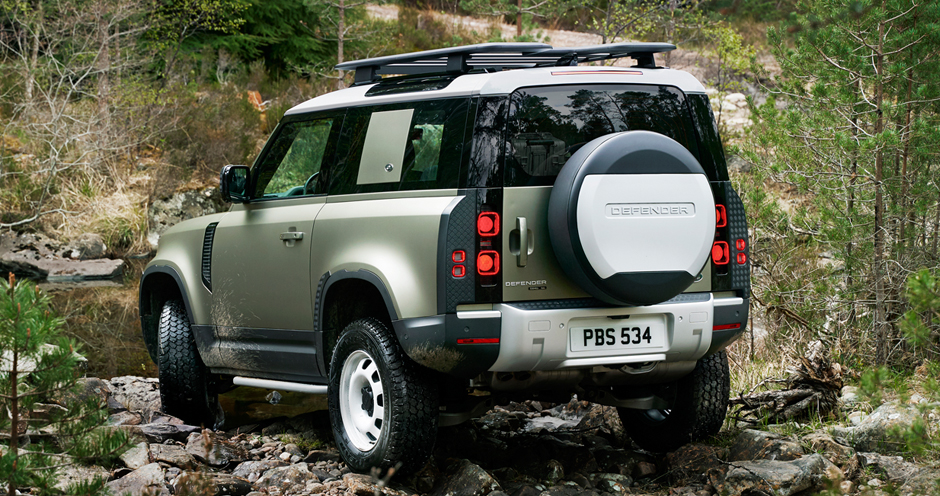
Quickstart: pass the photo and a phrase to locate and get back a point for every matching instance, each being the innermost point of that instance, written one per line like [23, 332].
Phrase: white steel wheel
[362, 400]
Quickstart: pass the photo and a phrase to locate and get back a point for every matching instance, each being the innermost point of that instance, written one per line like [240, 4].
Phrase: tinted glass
[712, 157]
[548, 124]
[292, 163]
[424, 155]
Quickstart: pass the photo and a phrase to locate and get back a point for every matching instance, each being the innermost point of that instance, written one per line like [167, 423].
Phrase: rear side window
[401, 147]
[548, 124]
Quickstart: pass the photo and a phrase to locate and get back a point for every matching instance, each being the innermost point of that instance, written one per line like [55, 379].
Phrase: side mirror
[233, 183]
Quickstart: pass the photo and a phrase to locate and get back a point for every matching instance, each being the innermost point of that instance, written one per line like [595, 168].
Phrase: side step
[281, 385]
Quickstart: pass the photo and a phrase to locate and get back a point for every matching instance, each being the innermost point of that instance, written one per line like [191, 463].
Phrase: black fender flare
[143, 301]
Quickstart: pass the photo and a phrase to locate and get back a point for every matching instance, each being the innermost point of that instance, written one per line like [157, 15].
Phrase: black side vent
[207, 255]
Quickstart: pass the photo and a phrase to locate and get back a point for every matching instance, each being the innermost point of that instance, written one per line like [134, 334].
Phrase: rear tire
[699, 410]
[383, 406]
[186, 391]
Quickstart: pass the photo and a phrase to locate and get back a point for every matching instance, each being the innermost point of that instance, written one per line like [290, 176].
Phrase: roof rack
[498, 56]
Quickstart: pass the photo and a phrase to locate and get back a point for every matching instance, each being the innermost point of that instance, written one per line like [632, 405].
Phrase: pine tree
[38, 367]
[853, 123]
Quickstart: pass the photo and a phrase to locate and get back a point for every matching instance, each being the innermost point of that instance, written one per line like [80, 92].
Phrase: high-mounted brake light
[721, 254]
[488, 224]
[488, 263]
[721, 216]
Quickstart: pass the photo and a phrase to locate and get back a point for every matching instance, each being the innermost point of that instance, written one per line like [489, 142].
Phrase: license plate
[634, 333]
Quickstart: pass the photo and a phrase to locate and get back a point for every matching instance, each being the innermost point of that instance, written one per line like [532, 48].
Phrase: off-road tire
[699, 410]
[186, 391]
[410, 402]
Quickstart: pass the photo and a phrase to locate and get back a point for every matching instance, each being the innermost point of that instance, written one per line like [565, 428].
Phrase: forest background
[107, 105]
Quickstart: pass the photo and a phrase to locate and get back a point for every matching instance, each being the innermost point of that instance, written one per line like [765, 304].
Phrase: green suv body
[422, 247]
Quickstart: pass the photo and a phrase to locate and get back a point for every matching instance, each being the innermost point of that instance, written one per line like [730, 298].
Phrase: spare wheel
[632, 218]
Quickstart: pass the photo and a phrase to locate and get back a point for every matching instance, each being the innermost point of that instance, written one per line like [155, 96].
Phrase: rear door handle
[523, 257]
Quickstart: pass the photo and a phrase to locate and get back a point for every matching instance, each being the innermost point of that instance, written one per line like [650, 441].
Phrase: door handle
[523, 257]
[292, 236]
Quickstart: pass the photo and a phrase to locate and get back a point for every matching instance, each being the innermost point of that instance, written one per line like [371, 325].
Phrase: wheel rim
[362, 400]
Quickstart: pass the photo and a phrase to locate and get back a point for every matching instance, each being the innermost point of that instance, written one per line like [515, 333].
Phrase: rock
[468, 480]
[137, 394]
[172, 454]
[125, 418]
[322, 456]
[209, 483]
[288, 476]
[849, 397]
[878, 431]
[158, 433]
[564, 490]
[85, 247]
[824, 444]
[738, 164]
[363, 485]
[137, 456]
[554, 471]
[253, 470]
[782, 478]
[213, 449]
[893, 468]
[760, 445]
[697, 460]
[605, 419]
[167, 212]
[924, 481]
[148, 479]
[74, 474]
[611, 483]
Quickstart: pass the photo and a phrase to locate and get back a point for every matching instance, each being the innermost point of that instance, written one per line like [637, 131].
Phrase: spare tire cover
[632, 218]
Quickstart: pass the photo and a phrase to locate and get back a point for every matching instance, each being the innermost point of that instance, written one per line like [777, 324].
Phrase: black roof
[499, 56]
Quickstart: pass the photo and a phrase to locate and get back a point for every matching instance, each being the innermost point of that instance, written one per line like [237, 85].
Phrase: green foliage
[850, 129]
[921, 324]
[37, 367]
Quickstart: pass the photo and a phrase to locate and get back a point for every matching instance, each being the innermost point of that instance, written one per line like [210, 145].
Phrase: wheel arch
[345, 296]
[159, 284]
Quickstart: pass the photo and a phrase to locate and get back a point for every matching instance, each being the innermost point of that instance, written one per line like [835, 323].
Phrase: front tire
[699, 410]
[186, 391]
[383, 406]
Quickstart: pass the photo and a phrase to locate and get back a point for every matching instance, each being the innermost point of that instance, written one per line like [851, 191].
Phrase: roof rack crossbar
[499, 56]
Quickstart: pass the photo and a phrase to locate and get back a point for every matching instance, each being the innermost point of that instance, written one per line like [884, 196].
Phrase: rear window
[547, 124]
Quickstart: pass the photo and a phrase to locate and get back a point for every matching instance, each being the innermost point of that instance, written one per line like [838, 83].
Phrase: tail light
[488, 263]
[488, 224]
[721, 253]
[721, 216]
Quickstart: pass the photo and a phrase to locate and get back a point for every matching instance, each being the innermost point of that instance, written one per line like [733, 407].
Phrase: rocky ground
[526, 449]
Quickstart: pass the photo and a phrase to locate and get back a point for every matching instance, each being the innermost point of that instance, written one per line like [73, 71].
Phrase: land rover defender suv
[493, 223]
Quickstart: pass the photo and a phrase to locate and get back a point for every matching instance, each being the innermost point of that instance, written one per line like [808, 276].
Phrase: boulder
[253, 470]
[924, 481]
[75, 474]
[468, 479]
[849, 398]
[86, 246]
[213, 449]
[172, 454]
[364, 485]
[148, 479]
[823, 443]
[137, 394]
[159, 433]
[761, 445]
[892, 468]
[137, 456]
[284, 477]
[209, 483]
[782, 478]
[878, 431]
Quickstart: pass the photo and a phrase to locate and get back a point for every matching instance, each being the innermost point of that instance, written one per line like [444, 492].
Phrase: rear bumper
[534, 336]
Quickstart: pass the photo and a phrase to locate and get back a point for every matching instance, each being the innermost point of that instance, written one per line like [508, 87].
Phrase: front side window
[401, 147]
[548, 124]
[292, 164]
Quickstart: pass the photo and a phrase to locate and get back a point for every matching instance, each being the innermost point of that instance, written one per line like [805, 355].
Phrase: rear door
[546, 125]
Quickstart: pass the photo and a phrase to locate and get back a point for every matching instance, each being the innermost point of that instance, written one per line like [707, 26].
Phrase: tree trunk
[881, 345]
[33, 55]
[518, 18]
[103, 65]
